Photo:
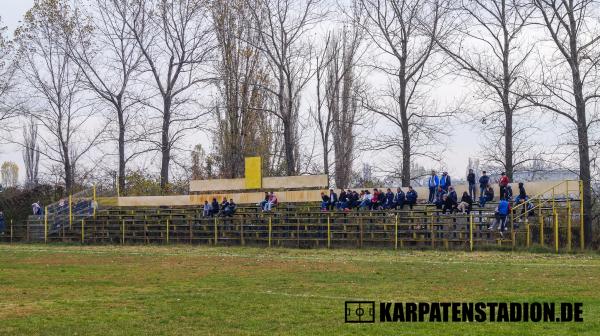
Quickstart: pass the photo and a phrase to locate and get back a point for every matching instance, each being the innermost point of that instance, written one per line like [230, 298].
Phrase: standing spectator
[508, 193]
[445, 181]
[503, 183]
[471, 180]
[466, 203]
[206, 211]
[411, 197]
[501, 214]
[484, 181]
[333, 199]
[433, 183]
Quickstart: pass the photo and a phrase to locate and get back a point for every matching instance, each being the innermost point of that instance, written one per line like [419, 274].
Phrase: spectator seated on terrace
[466, 203]
[399, 199]
[214, 207]
[487, 196]
[411, 197]
[269, 202]
[206, 210]
[325, 200]
[36, 208]
[449, 204]
[343, 201]
[229, 210]
[438, 199]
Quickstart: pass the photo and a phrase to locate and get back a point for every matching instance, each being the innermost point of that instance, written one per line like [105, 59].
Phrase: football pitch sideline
[190, 290]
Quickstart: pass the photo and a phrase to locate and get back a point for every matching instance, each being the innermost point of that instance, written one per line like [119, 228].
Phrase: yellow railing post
[433, 233]
[581, 233]
[471, 231]
[11, 230]
[555, 231]
[82, 231]
[512, 226]
[541, 220]
[569, 214]
[328, 232]
[270, 231]
[216, 232]
[168, 231]
[94, 201]
[396, 233]
[46, 224]
[528, 234]
[70, 211]
[123, 232]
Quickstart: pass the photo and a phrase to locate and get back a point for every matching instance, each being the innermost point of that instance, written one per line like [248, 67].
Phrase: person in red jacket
[503, 183]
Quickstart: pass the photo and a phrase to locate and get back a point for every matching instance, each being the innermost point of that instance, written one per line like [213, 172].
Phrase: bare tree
[31, 153]
[568, 83]
[106, 53]
[338, 92]
[243, 129]
[175, 38]
[8, 109]
[282, 26]
[54, 86]
[489, 50]
[405, 32]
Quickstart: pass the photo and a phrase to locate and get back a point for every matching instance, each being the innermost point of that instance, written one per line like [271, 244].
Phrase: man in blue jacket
[501, 214]
[445, 181]
[399, 199]
[433, 184]
[411, 197]
[484, 181]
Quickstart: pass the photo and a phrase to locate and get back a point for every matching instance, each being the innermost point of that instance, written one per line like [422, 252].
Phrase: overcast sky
[462, 142]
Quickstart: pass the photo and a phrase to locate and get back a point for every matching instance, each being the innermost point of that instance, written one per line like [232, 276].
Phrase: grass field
[150, 290]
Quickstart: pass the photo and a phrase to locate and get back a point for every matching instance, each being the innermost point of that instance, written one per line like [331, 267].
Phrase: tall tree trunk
[165, 147]
[121, 152]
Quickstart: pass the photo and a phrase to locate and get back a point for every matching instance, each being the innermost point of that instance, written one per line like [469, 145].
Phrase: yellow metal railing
[565, 188]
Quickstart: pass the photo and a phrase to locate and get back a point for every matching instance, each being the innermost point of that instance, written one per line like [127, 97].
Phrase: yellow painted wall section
[253, 175]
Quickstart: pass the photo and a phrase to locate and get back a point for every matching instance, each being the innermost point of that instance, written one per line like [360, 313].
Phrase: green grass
[150, 290]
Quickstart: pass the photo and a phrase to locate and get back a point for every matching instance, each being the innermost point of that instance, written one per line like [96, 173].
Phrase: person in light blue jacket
[433, 183]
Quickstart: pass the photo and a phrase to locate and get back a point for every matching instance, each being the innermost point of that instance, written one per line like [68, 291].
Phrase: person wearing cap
[445, 181]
